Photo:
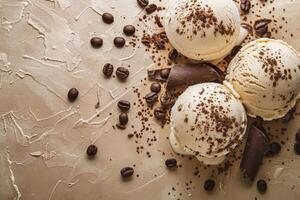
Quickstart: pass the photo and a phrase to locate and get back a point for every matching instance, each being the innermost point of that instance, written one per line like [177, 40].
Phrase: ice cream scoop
[203, 29]
[266, 76]
[207, 121]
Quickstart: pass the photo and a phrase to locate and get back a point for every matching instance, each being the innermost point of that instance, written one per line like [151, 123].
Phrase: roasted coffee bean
[261, 26]
[143, 3]
[167, 100]
[160, 113]
[122, 73]
[245, 5]
[151, 8]
[108, 70]
[91, 151]
[96, 42]
[119, 42]
[209, 185]
[274, 149]
[155, 87]
[171, 163]
[165, 73]
[173, 54]
[297, 148]
[158, 21]
[124, 105]
[298, 136]
[151, 98]
[123, 118]
[73, 94]
[129, 30]
[262, 186]
[127, 172]
[108, 18]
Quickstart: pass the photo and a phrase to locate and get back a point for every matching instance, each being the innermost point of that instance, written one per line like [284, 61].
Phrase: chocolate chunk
[167, 100]
[274, 149]
[297, 148]
[96, 42]
[158, 22]
[119, 42]
[129, 30]
[245, 5]
[262, 186]
[108, 18]
[298, 136]
[73, 94]
[127, 172]
[171, 163]
[209, 185]
[173, 54]
[151, 98]
[121, 126]
[151, 8]
[123, 118]
[108, 70]
[122, 73]
[124, 105]
[256, 147]
[155, 87]
[143, 3]
[91, 151]
[190, 74]
[261, 26]
[160, 113]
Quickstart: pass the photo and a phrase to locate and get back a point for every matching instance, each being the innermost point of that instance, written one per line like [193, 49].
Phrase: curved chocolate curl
[190, 74]
[256, 147]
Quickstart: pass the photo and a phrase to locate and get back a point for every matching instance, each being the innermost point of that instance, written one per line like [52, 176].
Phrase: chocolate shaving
[256, 147]
[190, 74]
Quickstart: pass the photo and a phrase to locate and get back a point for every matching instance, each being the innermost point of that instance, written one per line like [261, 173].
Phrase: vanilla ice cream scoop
[266, 75]
[207, 121]
[203, 29]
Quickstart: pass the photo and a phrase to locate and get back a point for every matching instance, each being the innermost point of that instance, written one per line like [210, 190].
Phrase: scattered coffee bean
[158, 21]
[160, 113]
[96, 42]
[274, 149]
[167, 100]
[262, 186]
[155, 87]
[209, 185]
[165, 73]
[108, 70]
[130, 135]
[173, 54]
[124, 105]
[127, 172]
[245, 5]
[119, 42]
[121, 126]
[143, 3]
[122, 73]
[151, 98]
[298, 136]
[73, 94]
[91, 150]
[151, 8]
[129, 30]
[297, 148]
[261, 26]
[170, 163]
[108, 18]
[123, 118]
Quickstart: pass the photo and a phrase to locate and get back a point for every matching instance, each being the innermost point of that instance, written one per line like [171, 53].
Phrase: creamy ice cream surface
[207, 121]
[266, 75]
[203, 29]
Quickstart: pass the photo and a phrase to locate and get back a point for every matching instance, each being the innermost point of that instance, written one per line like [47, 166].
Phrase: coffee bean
[123, 118]
[91, 150]
[127, 172]
[170, 163]
[119, 42]
[160, 113]
[151, 8]
[108, 69]
[155, 87]
[129, 30]
[124, 105]
[274, 149]
[96, 42]
[158, 21]
[209, 185]
[297, 148]
[245, 5]
[107, 18]
[73, 94]
[143, 3]
[130, 135]
[173, 54]
[261, 26]
[298, 136]
[167, 100]
[165, 73]
[151, 98]
[122, 73]
[262, 186]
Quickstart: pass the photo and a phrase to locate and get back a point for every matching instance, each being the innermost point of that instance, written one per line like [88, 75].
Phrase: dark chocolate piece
[209, 185]
[262, 186]
[91, 151]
